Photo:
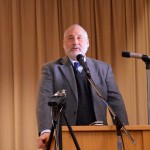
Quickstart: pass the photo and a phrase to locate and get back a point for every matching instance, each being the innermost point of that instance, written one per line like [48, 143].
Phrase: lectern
[105, 138]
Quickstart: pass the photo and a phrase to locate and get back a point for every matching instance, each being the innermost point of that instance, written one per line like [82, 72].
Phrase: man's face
[75, 42]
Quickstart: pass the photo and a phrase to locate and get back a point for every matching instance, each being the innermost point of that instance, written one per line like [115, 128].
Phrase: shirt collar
[73, 61]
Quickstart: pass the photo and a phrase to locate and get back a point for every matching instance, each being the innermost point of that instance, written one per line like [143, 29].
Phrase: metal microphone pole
[148, 91]
[119, 124]
[146, 59]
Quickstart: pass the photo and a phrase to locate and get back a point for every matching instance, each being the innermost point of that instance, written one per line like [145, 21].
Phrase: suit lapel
[95, 78]
[68, 72]
[93, 71]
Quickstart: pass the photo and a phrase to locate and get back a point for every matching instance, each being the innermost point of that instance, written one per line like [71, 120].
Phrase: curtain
[31, 34]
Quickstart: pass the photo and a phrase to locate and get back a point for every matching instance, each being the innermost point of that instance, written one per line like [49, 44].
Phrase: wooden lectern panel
[105, 138]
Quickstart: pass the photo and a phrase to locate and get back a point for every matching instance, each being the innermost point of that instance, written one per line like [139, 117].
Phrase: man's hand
[42, 140]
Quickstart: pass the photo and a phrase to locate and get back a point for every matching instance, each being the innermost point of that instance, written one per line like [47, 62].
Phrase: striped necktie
[78, 67]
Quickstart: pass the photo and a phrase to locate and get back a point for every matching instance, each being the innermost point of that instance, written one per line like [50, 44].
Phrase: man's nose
[75, 41]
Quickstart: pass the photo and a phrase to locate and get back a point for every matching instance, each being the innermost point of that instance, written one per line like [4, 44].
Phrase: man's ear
[88, 42]
[63, 44]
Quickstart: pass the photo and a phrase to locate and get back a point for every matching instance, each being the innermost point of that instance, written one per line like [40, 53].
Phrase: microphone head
[125, 54]
[79, 57]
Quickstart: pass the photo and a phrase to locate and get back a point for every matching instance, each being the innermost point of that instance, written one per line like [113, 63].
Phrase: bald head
[75, 41]
[73, 27]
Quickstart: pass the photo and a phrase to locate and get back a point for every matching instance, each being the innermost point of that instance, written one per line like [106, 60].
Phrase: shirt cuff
[46, 131]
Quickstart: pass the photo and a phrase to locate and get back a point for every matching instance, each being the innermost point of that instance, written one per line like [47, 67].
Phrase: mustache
[75, 47]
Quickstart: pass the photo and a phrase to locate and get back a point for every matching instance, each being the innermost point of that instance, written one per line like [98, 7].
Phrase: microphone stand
[146, 59]
[58, 105]
[119, 124]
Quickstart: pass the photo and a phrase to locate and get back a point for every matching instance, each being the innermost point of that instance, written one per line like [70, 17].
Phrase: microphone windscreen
[79, 57]
[125, 54]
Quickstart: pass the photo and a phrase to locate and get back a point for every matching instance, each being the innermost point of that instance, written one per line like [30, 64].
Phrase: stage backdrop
[31, 33]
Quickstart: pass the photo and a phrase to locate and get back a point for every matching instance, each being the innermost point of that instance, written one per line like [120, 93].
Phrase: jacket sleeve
[114, 97]
[43, 111]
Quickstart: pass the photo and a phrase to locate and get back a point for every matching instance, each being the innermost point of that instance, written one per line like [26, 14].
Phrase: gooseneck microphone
[80, 59]
[127, 54]
[131, 54]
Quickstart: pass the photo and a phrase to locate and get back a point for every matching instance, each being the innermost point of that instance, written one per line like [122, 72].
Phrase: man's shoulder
[97, 62]
[58, 61]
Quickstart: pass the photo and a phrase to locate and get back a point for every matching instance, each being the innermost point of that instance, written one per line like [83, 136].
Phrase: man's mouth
[75, 48]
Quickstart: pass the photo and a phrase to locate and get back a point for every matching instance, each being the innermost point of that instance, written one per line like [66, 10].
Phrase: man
[83, 105]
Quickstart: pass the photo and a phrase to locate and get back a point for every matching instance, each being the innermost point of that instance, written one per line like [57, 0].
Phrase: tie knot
[76, 65]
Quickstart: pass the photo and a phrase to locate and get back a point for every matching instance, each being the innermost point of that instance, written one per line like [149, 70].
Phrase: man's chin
[75, 51]
[73, 55]
[79, 52]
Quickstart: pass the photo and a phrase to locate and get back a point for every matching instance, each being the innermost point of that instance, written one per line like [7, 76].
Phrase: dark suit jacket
[59, 75]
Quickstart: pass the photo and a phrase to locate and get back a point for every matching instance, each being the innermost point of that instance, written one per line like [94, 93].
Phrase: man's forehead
[75, 33]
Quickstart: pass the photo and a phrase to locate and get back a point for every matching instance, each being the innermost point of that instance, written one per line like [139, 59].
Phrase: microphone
[61, 93]
[58, 99]
[80, 59]
[136, 55]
